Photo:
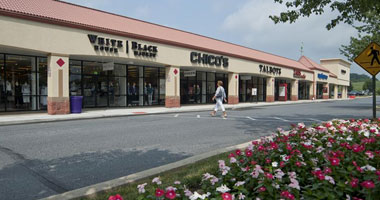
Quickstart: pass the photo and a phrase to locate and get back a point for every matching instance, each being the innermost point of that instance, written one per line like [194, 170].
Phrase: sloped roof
[67, 14]
[311, 64]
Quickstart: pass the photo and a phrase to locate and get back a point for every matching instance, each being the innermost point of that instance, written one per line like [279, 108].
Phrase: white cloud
[251, 22]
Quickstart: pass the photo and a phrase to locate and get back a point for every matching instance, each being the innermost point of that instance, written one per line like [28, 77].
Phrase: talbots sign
[270, 70]
[208, 59]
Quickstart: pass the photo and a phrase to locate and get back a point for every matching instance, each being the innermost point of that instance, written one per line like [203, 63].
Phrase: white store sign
[190, 73]
[108, 66]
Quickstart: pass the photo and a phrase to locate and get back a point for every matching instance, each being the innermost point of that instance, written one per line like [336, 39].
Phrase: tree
[368, 85]
[350, 87]
[363, 12]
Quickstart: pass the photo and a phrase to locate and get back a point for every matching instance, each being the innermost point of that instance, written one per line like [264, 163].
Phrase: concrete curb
[110, 113]
[93, 189]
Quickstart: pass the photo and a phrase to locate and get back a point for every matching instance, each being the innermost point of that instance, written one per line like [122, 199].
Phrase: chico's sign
[208, 59]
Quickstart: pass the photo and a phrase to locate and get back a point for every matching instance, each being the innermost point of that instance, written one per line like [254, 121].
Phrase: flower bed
[334, 160]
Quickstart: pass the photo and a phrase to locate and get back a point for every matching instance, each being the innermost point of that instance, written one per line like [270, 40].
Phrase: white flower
[171, 188]
[275, 185]
[214, 180]
[239, 183]
[368, 168]
[142, 188]
[274, 164]
[279, 174]
[330, 179]
[157, 181]
[349, 138]
[188, 193]
[177, 182]
[241, 196]
[233, 160]
[222, 189]
[196, 196]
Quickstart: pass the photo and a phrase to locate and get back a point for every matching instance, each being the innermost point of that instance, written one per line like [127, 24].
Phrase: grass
[358, 86]
[190, 175]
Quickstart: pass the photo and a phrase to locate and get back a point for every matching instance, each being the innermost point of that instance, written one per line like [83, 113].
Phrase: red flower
[253, 162]
[357, 148]
[334, 161]
[261, 148]
[332, 141]
[287, 195]
[241, 160]
[289, 147]
[255, 142]
[356, 198]
[378, 172]
[274, 145]
[268, 175]
[282, 164]
[354, 182]
[268, 160]
[238, 152]
[328, 170]
[116, 197]
[248, 153]
[262, 189]
[367, 184]
[298, 164]
[159, 192]
[170, 194]
[319, 174]
[227, 196]
[231, 155]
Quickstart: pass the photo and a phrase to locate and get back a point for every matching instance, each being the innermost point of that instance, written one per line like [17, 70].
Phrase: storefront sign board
[108, 66]
[254, 91]
[190, 73]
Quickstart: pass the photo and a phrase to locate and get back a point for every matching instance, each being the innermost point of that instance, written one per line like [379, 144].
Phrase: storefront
[116, 85]
[130, 63]
[198, 87]
[283, 90]
[23, 82]
[252, 89]
[303, 90]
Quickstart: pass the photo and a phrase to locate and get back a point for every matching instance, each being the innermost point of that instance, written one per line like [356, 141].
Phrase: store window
[133, 86]
[118, 86]
[151, 86]
[20, 76]
[75, 78]
[319, 90]
[42, 83]
[252, 89]
[162, 86]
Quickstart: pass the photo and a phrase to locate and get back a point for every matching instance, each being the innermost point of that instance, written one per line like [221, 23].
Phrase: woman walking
[219, 96]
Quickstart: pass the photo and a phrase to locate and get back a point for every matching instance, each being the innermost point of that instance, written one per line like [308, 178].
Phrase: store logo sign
[322, 76]
[208, 59]
[60, 62]
[144, 50]
[105, 44]
[298, 74]
[270, 70]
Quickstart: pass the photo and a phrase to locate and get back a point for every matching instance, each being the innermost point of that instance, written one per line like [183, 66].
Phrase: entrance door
[95, 90]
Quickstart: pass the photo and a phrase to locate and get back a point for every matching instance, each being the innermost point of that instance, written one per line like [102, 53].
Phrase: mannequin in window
[73, 88]
[25, 90]
[43, 97]
[149, 91]
[145, 94]
[18, 95]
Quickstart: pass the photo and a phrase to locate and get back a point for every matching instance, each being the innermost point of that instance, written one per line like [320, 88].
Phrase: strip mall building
[51, 50]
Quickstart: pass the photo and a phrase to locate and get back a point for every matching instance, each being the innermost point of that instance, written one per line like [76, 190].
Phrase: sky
[243, 22]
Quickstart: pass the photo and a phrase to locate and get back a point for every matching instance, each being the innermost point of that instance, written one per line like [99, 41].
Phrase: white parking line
[176, 115]
[251, 118]
[315, 119]
[281, 119]
[198, 116]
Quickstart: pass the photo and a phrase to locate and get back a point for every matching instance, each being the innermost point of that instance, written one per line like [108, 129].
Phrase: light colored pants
[219, 103]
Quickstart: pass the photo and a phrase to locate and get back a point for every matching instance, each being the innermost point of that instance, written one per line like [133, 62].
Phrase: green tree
[368, 85]
[363, 12]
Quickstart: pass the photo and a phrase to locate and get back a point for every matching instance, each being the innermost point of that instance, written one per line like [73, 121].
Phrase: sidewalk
[25, 118]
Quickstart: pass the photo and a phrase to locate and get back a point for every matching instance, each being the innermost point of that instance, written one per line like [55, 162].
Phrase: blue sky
[243, 22]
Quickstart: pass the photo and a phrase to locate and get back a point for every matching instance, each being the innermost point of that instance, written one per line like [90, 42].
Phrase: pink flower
[274, 145]
[238, 152]
[357, 148]
[287, 195]
[369, 154]
[255, 142]
[334, 161]
[354, 182]
[116, 197]
[248, 153]
[298, 164]
[367, 184]
[159, 192]
[268, 160]
[268, 175]
[262, 189]
[261, 148]
[170, 194]
[328, 170]
[227, 196]
[282, 164]
[231, 155]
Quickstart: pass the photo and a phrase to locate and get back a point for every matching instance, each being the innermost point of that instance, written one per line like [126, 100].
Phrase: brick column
[294, 92]
[270, 89]
[172, 84]
[233, 88]
[326, 93]
[58, 84]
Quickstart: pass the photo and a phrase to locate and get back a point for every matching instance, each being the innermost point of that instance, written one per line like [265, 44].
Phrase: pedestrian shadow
[35, 179]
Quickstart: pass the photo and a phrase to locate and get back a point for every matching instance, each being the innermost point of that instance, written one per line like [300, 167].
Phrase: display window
[252, 89]
[22, 83]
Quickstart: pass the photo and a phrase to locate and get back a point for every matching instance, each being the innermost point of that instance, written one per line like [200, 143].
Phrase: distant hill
[354, 77]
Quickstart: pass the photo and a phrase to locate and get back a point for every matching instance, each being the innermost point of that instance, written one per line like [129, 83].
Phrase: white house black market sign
[208, 59]
[270, 70]
[105, 44]
[144, 50]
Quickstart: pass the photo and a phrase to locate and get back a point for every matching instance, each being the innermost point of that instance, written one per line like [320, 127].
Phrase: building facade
[51, 50]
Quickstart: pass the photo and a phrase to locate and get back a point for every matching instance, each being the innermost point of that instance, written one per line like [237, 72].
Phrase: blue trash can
[76, 104]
